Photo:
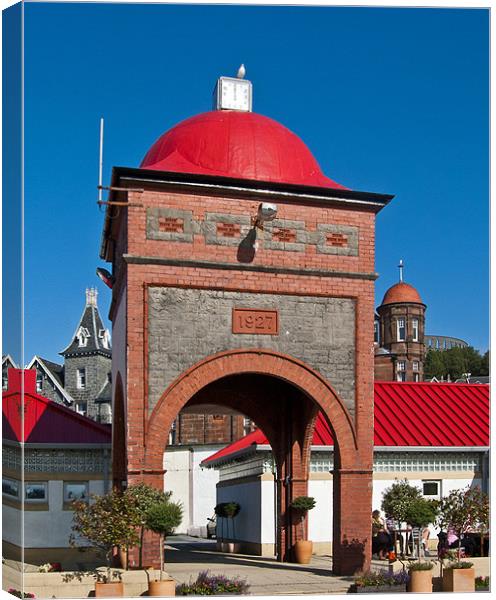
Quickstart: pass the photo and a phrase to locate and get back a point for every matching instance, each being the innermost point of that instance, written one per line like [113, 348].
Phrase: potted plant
[108, 521]
[420, 576]
[231, 510]
[465, 510]
[482, 584]
[421, 513]
[220, 516]
[385, 583]
[142, 497]
[303, 548]
[163, 518]
[459, 576]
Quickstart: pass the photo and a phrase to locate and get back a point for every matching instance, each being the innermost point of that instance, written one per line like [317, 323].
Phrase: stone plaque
[253, 321]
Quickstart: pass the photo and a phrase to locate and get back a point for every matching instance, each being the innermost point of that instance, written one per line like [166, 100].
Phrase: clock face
[235, 95]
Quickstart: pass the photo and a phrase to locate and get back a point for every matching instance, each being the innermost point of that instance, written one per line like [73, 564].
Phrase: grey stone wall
[97, 369]
[187, 325]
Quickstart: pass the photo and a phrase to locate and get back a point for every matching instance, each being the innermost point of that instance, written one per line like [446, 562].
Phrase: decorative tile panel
[283, 234]
[337, 239]
[225, 230]
[169, 224]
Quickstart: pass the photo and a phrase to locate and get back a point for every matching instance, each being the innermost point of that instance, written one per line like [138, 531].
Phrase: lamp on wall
[266, 212]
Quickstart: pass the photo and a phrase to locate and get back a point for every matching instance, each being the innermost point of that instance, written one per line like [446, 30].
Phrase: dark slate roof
[55, 369]
[105, 394]
[92, 329]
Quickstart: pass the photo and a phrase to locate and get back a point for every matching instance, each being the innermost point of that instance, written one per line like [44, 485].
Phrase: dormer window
[400, 330]
[39, 382]
[82, 336]
[104, 335]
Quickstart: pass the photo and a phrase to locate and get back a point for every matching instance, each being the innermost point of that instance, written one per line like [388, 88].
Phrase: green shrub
[421, 566]
[163, 518]
[303, 503]
[460, 564]
[379, 579]
[421, 512]
[482, 582]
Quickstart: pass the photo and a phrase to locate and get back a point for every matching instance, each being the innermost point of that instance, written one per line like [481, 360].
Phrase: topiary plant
[163, 518]
[302, 504]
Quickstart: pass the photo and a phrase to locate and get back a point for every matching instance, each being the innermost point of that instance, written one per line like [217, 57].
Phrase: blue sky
[388, 100]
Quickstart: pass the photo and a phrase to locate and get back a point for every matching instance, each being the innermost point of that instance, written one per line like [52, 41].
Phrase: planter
[459, 580]
[165, 587]
[122, 553]
[303, 551]
[228, 547]
[420, 582]
[109, 590]
[377, 589]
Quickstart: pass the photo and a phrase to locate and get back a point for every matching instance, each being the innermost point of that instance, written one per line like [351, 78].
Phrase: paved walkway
[186, 557]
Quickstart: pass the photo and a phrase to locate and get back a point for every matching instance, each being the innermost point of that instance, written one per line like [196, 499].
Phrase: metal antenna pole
[400, 266]
[100, 171]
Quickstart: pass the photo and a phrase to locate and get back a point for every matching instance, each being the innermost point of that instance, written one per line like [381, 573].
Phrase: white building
[66, 457]
[434, 435]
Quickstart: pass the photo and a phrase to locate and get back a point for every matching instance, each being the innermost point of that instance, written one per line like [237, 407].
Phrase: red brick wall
[146, 440]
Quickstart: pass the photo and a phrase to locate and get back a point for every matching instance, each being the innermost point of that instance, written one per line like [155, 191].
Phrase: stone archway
[351, 529]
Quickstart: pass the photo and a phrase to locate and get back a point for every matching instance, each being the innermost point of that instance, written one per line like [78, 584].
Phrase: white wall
[45, 528]
[267, 507]
[247, 523]
[320, 517]
[187, 480]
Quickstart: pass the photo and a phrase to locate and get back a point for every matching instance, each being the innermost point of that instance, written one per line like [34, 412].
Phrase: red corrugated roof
[45, 421]
[410, 415]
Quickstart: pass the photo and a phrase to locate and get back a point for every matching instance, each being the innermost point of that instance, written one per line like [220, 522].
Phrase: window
[75, 490]
[39, 382]
[81, 408]
[401, 370]
[81, 379]
[82, 337]
[431, 490]
[35, 491]
[415, 330]
[416, 377]
[5, 382]
[10, 487]
[400, 330]
[376, 331]
[415, 365]
[246, 425]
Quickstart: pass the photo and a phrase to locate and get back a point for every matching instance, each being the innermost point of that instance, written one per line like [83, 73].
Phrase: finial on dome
[400, 267]
[241, 72]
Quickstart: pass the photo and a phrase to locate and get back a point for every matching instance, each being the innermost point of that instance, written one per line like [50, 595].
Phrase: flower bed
[212, 585]
[380, 583]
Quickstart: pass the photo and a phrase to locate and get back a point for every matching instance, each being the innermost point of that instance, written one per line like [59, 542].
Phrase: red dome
[236, 144]
[401, 292]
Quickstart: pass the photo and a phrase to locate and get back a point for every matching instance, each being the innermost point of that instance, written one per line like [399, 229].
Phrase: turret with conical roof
[87, 364]
[401, 350]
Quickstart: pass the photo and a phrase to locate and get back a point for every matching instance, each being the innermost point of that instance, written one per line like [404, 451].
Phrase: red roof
[45, 421]
[401, 292]
[236, 144]
[408, 415]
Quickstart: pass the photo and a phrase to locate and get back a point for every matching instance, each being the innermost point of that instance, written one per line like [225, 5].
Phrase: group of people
[383, 539]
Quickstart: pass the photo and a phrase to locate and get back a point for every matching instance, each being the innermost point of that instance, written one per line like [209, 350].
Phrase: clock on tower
[233, 93]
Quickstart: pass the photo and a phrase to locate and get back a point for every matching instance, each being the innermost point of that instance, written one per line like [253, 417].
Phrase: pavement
[185, 557]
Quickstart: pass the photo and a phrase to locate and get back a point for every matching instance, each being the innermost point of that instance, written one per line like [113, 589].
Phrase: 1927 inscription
[248, 320]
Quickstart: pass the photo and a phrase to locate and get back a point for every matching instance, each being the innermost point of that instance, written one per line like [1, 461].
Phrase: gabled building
[83, 382]
[50, 456]
[7, 363]
[434, 435]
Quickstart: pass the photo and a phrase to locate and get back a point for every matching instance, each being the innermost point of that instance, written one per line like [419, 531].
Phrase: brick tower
[400, 352]
[244, 282]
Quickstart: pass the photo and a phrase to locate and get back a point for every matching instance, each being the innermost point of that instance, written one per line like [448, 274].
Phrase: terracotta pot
[459, 580]
[420, 582]
[303, 551]
[109, 590]
[165, 587]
